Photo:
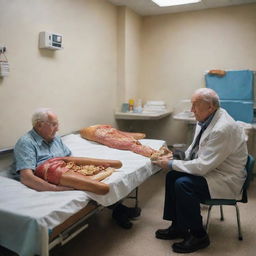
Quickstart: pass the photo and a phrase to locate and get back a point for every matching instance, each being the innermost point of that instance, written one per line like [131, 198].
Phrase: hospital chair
[249, 167]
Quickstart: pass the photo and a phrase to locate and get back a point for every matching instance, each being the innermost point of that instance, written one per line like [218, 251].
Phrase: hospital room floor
[103, 237]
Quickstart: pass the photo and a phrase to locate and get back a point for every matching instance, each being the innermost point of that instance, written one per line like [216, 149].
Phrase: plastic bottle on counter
[131, 105]
[139, 107]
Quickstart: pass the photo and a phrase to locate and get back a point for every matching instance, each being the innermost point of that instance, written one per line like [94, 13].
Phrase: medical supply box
[235, 90]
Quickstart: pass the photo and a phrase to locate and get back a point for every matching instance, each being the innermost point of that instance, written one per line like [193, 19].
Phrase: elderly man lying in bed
[44, 163]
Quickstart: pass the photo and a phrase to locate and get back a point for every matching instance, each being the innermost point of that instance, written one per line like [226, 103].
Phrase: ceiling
[147, 7]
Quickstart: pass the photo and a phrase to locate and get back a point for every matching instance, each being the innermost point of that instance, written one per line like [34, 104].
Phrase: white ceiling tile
[147, 7]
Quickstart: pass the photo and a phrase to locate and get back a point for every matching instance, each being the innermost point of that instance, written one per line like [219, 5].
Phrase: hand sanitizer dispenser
[51, 41]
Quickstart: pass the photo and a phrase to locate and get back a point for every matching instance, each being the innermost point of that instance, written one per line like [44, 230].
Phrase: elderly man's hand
[163, 161]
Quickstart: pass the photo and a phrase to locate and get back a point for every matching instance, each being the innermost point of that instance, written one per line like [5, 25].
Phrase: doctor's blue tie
[194, 149]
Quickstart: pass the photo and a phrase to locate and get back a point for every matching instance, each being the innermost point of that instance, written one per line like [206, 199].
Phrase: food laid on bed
[163, 151]
[78, 173]
[111, 137]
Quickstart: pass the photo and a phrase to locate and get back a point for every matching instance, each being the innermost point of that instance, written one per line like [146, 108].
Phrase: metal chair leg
[208, 218]
[221, 213]
[240, 236]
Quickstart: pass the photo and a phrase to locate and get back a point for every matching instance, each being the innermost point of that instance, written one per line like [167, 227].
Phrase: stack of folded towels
[154, 106]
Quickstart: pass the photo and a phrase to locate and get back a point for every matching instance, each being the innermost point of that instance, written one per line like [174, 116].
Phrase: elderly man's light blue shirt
[32, 150]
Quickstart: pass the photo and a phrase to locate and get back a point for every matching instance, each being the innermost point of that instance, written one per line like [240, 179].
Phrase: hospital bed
[32, 222]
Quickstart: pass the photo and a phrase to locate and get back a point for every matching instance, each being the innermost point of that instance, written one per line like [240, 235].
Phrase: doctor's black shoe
[169, 233]
[191, 244]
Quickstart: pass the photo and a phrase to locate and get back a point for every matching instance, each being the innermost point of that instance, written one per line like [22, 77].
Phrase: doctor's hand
[163, 162]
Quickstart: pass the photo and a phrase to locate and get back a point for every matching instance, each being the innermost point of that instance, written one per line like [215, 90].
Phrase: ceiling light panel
[165, 3]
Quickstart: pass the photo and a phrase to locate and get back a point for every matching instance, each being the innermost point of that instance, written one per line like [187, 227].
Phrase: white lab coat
[221, 158]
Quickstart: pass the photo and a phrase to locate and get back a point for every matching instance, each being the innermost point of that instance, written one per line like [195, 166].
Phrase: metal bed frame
[77, 223]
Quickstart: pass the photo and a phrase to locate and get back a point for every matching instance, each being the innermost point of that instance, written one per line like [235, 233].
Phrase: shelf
[142, 116]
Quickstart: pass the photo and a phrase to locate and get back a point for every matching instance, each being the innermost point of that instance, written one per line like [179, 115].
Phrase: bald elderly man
[213, 168]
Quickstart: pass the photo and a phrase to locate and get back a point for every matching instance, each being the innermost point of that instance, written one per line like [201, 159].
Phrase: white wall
[78, 82]
[129, 50]
[179, 48]
[112, 54]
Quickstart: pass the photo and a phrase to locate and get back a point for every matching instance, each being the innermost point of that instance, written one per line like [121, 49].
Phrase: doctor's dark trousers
[183, 194]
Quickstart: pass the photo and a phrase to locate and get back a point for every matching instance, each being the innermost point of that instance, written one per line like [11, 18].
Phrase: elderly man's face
[47, 129]
[201, 108]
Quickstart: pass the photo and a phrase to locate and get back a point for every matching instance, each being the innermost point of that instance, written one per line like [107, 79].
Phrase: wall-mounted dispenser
[4, 64]
[49, 40]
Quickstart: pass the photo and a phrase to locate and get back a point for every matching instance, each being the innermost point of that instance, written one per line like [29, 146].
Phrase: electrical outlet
[2, 49]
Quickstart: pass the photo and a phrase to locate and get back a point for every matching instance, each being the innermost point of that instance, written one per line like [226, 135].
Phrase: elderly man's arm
[28, 178]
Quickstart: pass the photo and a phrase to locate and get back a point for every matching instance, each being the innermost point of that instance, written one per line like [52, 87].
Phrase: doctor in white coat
[213, 168]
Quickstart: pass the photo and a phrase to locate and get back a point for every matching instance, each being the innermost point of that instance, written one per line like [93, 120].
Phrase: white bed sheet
[135, 170]
[26, 216]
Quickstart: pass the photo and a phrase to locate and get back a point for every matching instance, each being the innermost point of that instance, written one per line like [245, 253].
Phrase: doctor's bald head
[204, 101]
[208, 95]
